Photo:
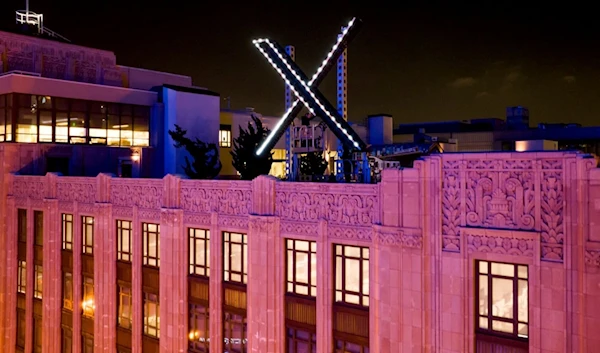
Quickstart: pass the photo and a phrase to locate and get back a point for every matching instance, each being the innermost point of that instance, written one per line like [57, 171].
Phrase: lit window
[124, 240]
[151, 237]
[87, 232]
[198, 336]
[502, 299]
[301, 267]
[225, 136]
[67, 231]
[22, 277]
[68, 290]
[151, 315]
[124, 309]
[88, 305]
[199, 251]
[235, 257]
[22, 225]
[352, 275]
[38, 274]
[38, 227]
[300, 341]
[234, 331]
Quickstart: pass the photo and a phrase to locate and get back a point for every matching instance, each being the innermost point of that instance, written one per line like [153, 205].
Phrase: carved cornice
[235, 222]
[299, 228]
[402, 237]
[506, 242]
[197, 219]
[262, 224]
[350, 233]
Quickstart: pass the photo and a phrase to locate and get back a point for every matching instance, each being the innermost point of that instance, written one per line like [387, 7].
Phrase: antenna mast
[26, 17]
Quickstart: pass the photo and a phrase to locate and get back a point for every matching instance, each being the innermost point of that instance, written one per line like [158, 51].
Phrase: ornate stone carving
[500, 245]
[122, 212]
[65, 206]
[451, 200]
[197, 219]
[86, 208]
[152, 216]
[299, 228]
[337, 203]
[350, 233]
[552, 222]
[235, 222]
[592, 257]
[76, 189]
[224, 197]
[32, 187]
[261, 224]
[147, 194]
[412, 239]
[408, 238]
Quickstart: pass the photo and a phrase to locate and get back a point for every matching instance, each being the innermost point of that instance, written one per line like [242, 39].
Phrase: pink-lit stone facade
[424, 227]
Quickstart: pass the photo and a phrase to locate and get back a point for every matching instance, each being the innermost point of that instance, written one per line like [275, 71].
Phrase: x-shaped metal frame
[306, 91]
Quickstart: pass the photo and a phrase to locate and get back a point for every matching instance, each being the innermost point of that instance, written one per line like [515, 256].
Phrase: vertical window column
[235, 277]
[198, 293]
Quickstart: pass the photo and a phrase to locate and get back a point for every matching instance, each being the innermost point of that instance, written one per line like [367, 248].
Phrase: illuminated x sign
[306, 91]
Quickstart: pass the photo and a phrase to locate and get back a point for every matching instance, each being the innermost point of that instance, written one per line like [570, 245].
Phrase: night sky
[418, 63]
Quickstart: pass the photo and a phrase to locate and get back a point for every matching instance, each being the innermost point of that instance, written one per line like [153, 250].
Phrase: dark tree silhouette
[206, 164]
[313, 163]
[245, 160]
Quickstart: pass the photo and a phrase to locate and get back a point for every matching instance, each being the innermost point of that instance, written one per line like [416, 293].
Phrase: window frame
[363, 297]
[149, 300]
[22, 277]
[38, 228]
[37, 334]
[225, 131]
[344, 343]
[228, 271]
[124, 226]
[148, 259]
[38, 284]
[228, 330]
[87, 286]
[21, 327]
[199, 240]
[67, 291]
[67, 237]
[123, 320]
[514, 336]
[87, 343]
[22, 225]
[87, 235]
[291, 337]
[291, 248]
[198, 313]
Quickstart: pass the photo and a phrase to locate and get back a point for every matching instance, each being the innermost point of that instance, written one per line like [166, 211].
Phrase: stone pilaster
[105, 280]
[324, 291]
[51, 278]
[30, 282]
[266, 320]
[173, 282]
[77, 278]
[136, 284]
[9, 289]
[216, 286]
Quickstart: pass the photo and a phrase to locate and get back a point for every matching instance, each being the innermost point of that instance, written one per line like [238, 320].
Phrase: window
[126, 126]
[21, 277]
[77, 118]
[66, 340]
[2, 117]
[38, 227]
[151, 237]
[37, 334]
[68, 290]
[21, 328]
[124, 310]
[344, 347]
[22, 225]
[67, 231]
[87, 343]
[88, 305]
[151, 315]
[234, 332]
[225, 136]
[46, 125]
[199, 251]
[352, 274]
[301, 267]
[199, 328]
[299, 341]
[57, 165]
[235, 257]
[87, 232]
[124, 240]
[141, 129]
[97, 124]
[27, 124]
[502, 299]
[37, 289]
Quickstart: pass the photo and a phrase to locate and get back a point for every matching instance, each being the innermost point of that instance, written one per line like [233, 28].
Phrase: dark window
[57, 165]
[37, 334]
[125, 314]
[67, 231]
[87, 232]
[68, 290]
[22, 277]
[351, 274]
[21, 328]
[199, 251]
[301, 256]
[234, 332]
[38, 275]
[87, 343]
[502, 300]
[88, 304]
[22, 225]
[125, 169]
[225, 136]
[151, 244]
[124, 240]
[199, 329]
[38, 227]
[346, 347]
[235, 257]
[151, 315]
[66, 339]
[300, 341]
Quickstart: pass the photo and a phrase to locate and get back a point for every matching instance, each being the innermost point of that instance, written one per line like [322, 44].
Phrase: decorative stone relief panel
[388, 236]
[122, 212]
[144, 193]
[592, 257]
[224, 197]
[354, 204]
[519, 194]
[82, 190]
[233, 222]
[505, 242]
[197, 219]
[299, 228]
[350, 233]
[33, 187]
[261, 224]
